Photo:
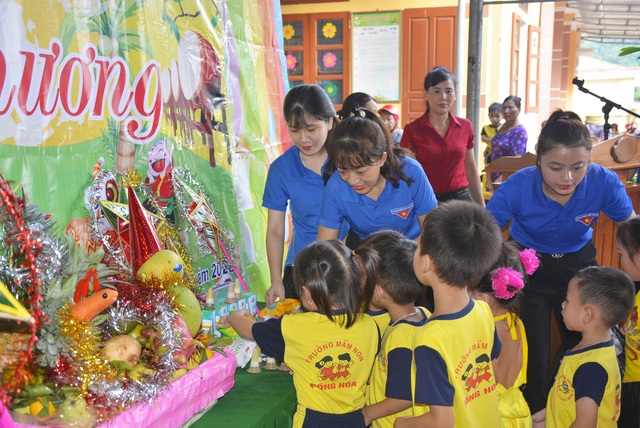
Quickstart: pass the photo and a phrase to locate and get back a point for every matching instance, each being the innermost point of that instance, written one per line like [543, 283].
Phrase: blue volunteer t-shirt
[549, 227]
[289, 181]
[396, 208]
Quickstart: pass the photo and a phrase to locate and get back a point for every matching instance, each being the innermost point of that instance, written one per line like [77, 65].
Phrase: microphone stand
[606, 109]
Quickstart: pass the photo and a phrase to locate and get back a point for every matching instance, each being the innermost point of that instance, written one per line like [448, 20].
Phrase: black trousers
[629, 409]
[287, 281]
[460, 194]
[543, 296]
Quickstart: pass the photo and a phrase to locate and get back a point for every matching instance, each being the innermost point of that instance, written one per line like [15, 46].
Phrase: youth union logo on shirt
[402, 212]
[587, 219]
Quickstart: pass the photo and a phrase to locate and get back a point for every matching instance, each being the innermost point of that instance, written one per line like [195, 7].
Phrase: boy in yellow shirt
[586, 391]
[453, 381]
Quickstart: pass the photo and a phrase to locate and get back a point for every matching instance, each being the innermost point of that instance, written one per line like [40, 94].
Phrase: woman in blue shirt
[551, 208]
[376, 186]
[296, 179]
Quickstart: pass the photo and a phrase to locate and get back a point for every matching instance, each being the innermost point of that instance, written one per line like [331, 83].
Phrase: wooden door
[428, 40]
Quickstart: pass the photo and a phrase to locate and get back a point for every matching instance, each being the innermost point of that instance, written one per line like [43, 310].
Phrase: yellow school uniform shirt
[632, 346]
[591, 372]
[490, 131]
[381, 318]
[452, 366]
[394, 357]
[331, 364]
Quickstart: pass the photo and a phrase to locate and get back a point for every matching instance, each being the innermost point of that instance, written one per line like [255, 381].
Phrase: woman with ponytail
[551, 208]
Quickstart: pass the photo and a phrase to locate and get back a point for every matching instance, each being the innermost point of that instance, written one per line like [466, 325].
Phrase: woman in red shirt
[443, 143]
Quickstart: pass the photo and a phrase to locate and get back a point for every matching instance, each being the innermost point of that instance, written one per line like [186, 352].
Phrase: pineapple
[61, 290]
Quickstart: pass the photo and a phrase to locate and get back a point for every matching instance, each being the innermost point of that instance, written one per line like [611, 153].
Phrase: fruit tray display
[100, 336]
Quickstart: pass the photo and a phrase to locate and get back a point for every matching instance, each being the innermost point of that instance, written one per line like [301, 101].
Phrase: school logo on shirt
[333, 369]
[477, 376]
[587, 219]
[564, 389]
[330, 369]
[403, 212]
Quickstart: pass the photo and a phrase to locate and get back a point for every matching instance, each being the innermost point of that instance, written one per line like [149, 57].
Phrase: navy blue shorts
[315, 419]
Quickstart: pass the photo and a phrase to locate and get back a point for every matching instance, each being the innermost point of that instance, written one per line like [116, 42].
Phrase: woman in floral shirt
[511, 139]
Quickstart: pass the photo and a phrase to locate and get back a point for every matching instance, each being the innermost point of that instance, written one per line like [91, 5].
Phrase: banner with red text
[159, 87]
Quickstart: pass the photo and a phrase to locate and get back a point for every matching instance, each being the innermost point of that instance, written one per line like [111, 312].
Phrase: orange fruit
[37, 408]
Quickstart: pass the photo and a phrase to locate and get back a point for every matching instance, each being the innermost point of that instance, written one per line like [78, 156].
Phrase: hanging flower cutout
[329, 60]
[329, 30]
[288, 31]
[331, 89]
[291, 62]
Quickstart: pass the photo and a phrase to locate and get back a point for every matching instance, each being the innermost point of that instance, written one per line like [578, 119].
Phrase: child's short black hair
[495, 108]
[395, 272]
[463, 241]
[609, 289]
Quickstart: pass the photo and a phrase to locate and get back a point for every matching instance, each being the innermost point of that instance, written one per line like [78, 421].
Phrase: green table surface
[266, 399]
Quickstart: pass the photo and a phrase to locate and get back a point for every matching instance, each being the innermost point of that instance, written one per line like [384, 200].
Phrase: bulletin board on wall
[376, 54]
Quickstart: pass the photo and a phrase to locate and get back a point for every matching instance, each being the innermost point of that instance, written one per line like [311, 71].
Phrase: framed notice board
[376, 54]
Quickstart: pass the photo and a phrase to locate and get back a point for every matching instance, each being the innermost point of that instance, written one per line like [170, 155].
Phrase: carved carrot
[85, 310]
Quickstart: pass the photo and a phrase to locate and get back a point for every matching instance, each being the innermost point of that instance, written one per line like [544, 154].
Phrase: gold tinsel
[168, 288]
[83, 339]
[130, 178]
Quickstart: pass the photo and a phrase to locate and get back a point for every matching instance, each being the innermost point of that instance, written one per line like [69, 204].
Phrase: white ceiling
[608, 20]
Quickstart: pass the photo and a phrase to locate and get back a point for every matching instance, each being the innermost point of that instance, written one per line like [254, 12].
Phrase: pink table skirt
[189, 394]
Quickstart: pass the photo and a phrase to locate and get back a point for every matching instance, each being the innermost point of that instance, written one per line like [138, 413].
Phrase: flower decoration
[331, 89]
[529, 260]
[329, 60]
[291, 62]
[329, 30]
[357, 111]
[288, 31]
[506, 282]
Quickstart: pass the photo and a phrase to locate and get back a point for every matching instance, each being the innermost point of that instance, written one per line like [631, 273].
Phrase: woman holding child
[551, 207]
[511, 139]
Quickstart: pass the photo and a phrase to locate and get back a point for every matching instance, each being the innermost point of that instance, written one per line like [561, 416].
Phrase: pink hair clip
[506, 282]
[529, 260]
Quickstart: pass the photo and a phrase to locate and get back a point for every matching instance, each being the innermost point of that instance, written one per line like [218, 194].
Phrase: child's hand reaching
[224, 321]
[240, 321]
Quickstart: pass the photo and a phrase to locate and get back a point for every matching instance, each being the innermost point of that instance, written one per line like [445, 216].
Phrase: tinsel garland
[32, 259]
[24, 275]
[149, 308]
[166, 232]
[83, 340]
[183, 182]
[98, 219]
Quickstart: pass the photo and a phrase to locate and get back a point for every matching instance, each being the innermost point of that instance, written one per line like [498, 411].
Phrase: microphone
[578, 82]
